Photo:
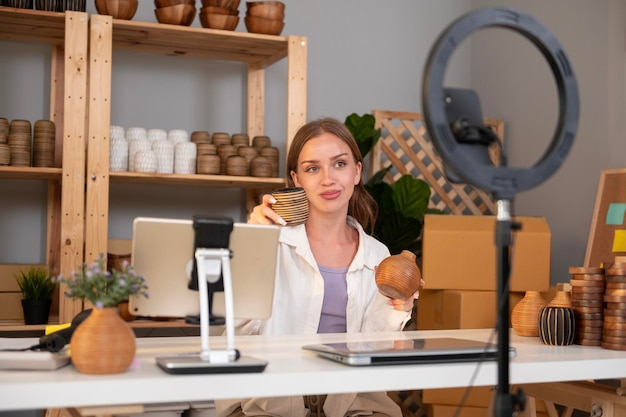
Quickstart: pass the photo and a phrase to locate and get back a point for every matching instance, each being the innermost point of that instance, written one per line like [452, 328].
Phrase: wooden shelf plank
[32, 25]
[223, 181]
[30, 173]
[261, 50]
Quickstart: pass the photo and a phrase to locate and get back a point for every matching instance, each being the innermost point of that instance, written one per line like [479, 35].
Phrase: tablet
[163, 251]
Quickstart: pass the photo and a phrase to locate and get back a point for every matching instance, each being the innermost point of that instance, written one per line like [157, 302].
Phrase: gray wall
[361, 57]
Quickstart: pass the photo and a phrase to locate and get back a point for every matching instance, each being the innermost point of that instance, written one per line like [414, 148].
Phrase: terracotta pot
[398, 276]
[525, 314]
[103, 343]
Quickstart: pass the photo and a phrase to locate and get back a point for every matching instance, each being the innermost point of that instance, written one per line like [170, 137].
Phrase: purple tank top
[333, 319]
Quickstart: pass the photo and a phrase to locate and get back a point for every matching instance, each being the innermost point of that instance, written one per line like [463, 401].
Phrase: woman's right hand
[263, 213]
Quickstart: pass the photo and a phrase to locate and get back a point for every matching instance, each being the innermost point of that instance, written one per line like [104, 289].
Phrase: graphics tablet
[407, 351]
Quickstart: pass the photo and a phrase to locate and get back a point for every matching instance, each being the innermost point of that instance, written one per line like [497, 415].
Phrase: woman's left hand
[405, 304]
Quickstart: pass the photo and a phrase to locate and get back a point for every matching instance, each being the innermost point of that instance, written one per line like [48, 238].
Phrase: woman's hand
[406, 304]
[263, 213]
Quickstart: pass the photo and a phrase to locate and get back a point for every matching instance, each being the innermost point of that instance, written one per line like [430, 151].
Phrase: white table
[292, 371]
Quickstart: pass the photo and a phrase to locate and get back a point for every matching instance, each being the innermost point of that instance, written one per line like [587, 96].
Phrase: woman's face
[328, 173]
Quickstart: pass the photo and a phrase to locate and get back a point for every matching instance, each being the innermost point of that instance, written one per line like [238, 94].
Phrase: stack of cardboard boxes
[459, 267]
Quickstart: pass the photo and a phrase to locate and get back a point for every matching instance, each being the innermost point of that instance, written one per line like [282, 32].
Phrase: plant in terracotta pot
[103, 343]
[37, 286]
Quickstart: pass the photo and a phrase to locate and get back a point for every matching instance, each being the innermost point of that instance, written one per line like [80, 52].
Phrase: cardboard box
[476, 397]
[452, 309]
[459, 252]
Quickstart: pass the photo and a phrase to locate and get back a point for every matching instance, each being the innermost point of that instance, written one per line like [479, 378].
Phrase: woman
[325, 279]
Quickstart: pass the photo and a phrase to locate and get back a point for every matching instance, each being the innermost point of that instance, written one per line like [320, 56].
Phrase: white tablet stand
[211, 265]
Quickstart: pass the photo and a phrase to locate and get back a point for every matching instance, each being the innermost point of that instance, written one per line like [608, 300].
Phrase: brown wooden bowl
[219, 10]
[278, 4]
[181, 14]
[229, 4]
[219, 21]
[267, 10]
[117, 9]
[167, 3]
[264, 26]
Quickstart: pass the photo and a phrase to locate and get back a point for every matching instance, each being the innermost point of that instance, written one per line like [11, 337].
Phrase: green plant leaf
[35, 283]
[411, 196]
[363, 130]
[378, 177]
[383, 194]
[399, 232]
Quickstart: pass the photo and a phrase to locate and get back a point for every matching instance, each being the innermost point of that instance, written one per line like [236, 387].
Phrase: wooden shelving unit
[66, 33]
[81, 69]
[257, 51]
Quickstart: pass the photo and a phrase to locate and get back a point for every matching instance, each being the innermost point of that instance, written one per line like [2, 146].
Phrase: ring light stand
[458, 136]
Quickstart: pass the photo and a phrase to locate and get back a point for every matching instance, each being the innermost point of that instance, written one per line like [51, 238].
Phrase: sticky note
[619, 241]
[615, 213]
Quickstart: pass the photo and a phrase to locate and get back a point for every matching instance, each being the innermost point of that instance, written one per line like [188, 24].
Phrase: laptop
[163, 251]
[33, 360]
[407, 351]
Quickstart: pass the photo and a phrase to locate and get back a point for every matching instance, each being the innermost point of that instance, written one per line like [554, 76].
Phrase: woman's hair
[362, 206]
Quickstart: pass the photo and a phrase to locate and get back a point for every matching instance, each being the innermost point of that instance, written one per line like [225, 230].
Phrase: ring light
[502, 181]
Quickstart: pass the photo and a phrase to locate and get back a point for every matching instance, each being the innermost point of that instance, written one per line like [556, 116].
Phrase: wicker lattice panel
[404, 145]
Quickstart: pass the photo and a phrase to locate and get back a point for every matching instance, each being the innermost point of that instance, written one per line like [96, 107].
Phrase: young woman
[325, 279]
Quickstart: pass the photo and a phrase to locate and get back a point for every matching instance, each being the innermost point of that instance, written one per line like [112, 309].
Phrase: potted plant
[37, 288]
[103, 343]
[401, 205]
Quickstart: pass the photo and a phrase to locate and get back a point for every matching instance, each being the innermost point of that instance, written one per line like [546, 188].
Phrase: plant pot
[36, 311]
[103, 343]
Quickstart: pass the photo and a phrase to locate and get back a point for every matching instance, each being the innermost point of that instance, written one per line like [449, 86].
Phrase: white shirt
[297, 307]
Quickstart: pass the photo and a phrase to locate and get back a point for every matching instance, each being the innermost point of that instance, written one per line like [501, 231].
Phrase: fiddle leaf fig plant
[401, 205]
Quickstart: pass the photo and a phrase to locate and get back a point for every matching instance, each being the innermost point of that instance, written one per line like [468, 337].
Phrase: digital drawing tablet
[407, 351]
[163, 251]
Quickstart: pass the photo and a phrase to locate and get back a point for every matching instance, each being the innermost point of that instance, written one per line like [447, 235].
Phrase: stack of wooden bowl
[43, 143]
[175, 12]
[5, 153]
[117, 9]
[219, 14]
[19, 140]
[265, 17]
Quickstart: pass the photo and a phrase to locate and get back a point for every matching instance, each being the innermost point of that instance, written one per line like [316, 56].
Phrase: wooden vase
[525, 314]
[557, 325]
[398, 276]
[103, 343]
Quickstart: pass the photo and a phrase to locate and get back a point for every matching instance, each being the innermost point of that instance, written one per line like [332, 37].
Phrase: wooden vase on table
[557, 325]
[103, 343]
[525, 314]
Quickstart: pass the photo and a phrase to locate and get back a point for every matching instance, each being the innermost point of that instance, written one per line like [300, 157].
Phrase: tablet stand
[211, 265]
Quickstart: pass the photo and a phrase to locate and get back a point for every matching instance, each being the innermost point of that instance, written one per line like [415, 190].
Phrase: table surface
[292, 371]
